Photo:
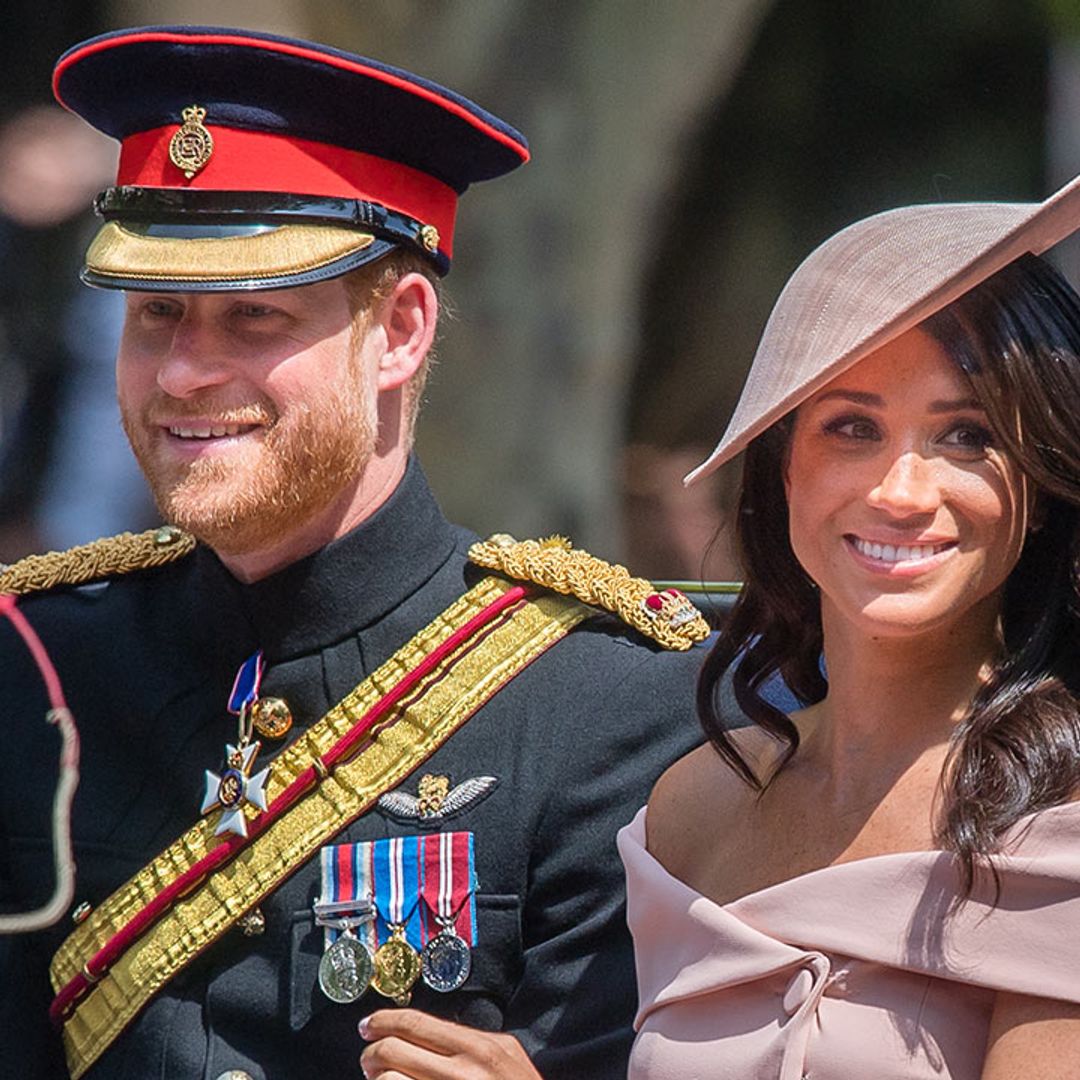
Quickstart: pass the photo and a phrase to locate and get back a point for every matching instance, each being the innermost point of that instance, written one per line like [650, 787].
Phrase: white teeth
[894, 553]
[215, 431]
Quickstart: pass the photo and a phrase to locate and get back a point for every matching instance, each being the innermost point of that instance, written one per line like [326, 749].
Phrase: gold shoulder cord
[667, 617]
[96, 561]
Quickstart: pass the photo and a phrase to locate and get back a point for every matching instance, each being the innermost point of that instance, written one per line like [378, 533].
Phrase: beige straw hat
[873, 281]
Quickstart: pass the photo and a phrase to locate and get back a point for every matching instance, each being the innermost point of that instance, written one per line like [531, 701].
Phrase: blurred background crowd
[608, 297]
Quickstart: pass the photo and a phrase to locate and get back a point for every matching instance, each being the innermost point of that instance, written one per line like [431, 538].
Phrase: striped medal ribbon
[449, 894]
[395, 863]
[347, 913]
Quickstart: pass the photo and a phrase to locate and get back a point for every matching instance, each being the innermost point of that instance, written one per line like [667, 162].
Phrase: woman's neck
[896, 697]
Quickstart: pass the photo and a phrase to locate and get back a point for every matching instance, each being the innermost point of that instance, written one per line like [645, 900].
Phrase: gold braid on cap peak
[96, 561]
[667, 617]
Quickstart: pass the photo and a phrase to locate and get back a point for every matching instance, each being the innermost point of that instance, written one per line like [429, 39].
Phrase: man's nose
[908, 486]
[196, 359]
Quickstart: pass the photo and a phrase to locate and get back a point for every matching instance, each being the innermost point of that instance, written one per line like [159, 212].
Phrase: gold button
[272, 717]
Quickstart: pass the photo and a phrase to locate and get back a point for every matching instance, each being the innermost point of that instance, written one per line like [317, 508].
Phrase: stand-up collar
[352, 582]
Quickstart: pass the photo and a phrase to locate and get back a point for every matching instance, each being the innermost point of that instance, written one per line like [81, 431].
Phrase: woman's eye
[969, 436]
[853, 427]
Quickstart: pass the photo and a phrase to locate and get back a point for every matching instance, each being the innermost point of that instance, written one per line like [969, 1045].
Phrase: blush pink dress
[853, 971]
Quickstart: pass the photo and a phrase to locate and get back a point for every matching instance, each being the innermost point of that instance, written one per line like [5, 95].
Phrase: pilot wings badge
[435, 800]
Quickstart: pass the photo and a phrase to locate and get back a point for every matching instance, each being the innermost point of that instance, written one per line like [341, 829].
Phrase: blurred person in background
[65, 473]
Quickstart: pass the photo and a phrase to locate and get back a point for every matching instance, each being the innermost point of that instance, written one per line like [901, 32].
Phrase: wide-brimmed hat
[873, 281]
[250, 160]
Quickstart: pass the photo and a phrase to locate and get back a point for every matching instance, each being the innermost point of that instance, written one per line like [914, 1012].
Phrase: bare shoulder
[686, 804]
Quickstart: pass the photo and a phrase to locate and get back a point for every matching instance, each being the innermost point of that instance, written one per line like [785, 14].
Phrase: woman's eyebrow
[876, 401]
[967, 404]
[858, 397]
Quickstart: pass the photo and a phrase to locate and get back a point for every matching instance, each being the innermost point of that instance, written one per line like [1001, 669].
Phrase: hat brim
[872, 282]
[128, 256]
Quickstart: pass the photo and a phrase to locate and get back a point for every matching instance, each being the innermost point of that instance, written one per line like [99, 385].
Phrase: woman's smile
[901, 508]
[899, 559]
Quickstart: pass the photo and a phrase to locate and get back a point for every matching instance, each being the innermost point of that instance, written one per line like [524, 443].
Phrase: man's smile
[208, 431]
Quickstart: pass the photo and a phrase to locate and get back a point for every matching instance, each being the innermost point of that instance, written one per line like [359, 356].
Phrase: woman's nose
[908, 486]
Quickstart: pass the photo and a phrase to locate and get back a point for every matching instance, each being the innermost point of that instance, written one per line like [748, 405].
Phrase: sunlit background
[608, 296]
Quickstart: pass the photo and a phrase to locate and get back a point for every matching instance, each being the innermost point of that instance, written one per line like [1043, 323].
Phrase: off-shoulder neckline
[1017, 830]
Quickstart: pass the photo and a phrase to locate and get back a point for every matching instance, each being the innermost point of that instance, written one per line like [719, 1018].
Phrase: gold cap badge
[192, 145]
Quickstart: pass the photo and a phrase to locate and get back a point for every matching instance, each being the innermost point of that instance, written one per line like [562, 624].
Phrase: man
[424, 762]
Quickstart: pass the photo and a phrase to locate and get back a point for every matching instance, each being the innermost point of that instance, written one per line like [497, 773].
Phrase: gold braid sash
[108, 998]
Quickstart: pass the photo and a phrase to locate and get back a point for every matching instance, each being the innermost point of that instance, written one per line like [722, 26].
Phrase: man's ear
[408, 317]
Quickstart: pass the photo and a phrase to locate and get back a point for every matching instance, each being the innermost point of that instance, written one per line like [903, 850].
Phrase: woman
[887, 882]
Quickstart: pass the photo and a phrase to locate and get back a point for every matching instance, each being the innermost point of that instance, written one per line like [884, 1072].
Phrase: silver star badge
[235, 787]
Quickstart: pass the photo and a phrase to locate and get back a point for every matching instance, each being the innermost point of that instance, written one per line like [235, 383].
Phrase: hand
[405, 1044]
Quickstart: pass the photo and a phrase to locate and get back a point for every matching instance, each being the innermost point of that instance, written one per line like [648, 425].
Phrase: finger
[419, 1028]
[391, 1057]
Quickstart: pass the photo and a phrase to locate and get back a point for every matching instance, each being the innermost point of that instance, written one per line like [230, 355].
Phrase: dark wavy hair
[1016, 338]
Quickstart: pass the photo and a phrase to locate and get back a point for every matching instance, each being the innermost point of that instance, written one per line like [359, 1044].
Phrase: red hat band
[257, 161]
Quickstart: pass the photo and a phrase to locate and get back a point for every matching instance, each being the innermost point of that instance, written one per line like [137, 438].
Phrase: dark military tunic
[148, 660]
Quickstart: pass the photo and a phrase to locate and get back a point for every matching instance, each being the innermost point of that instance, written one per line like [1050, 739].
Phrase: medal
[446, 962]
[345, 909]
[396, 868]
[345, 969]
[448, 889]
[234, 789]
[397, 967]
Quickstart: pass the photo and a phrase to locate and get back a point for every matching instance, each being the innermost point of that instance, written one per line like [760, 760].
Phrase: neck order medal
[235, 788]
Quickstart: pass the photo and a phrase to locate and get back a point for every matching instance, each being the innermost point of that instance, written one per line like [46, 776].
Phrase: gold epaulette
[667, 616]
[96, 561]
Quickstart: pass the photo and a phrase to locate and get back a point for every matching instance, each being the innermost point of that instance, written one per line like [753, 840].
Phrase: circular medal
[271, 717]
[446, 962]
[397, 967]
[345, 970]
